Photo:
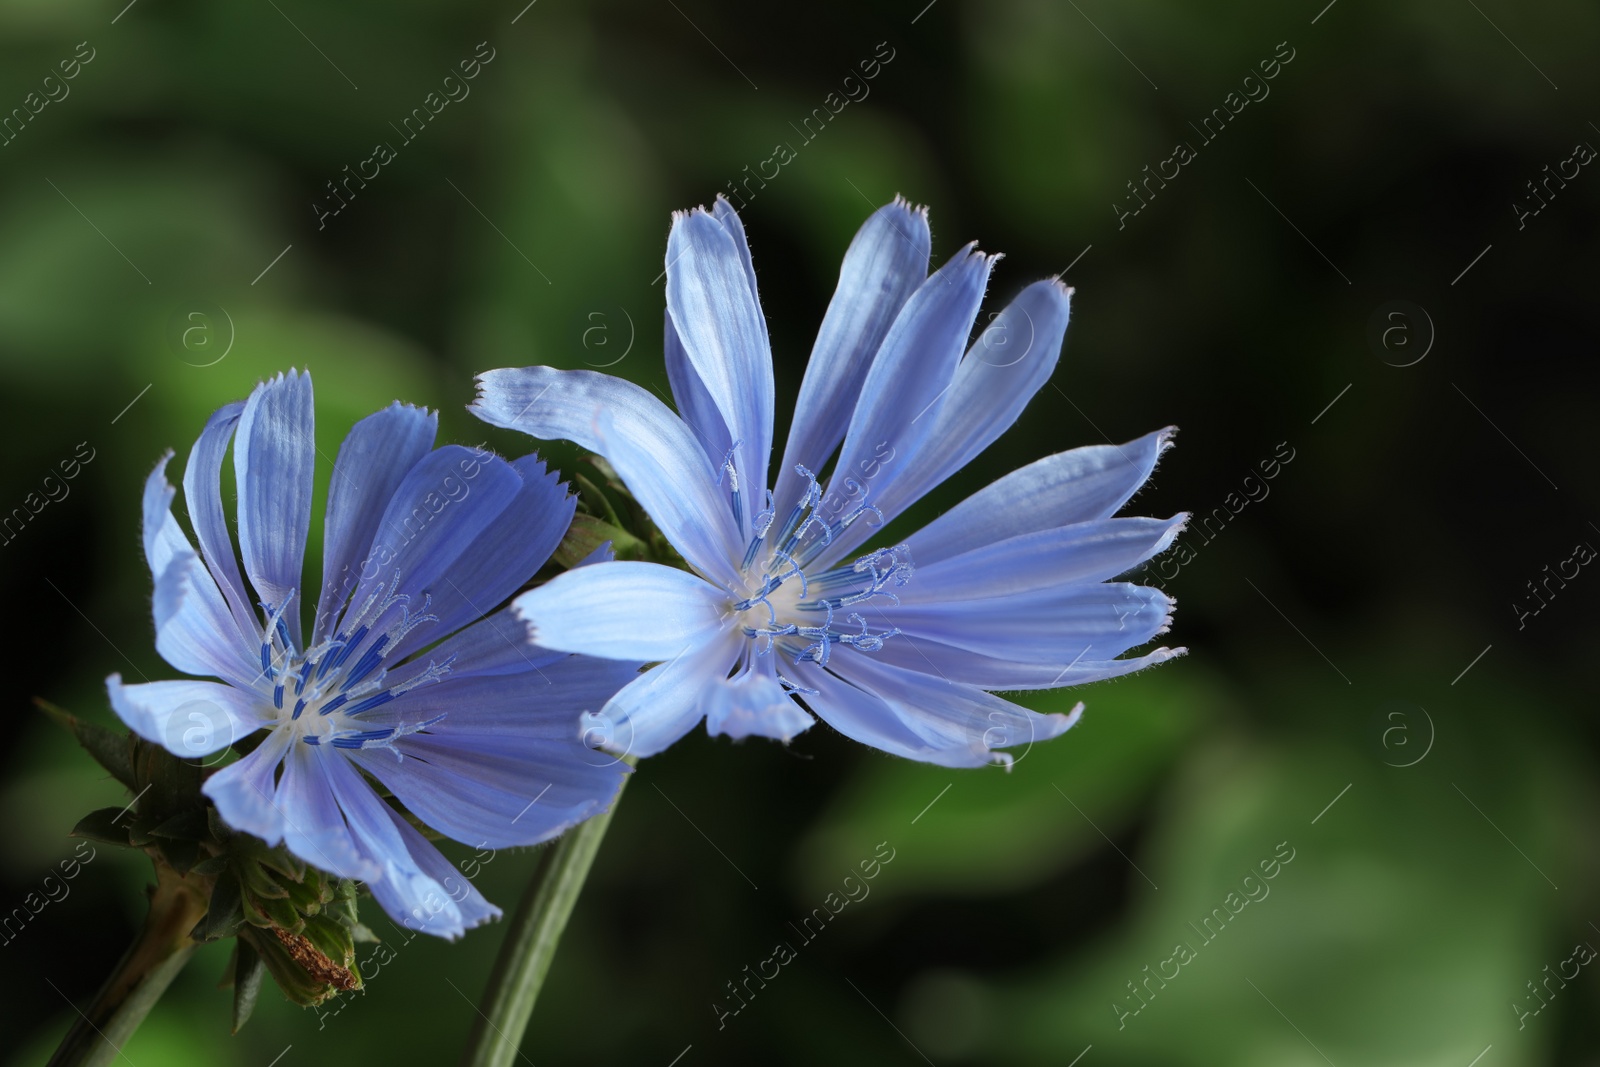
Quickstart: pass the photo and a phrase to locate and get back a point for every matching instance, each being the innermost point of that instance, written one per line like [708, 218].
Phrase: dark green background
[1326, 622]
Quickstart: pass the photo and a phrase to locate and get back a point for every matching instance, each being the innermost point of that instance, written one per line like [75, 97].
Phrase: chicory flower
[409, 676]
[781, 615]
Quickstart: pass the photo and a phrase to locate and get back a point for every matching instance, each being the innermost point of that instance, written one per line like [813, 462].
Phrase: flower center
[807, 613]
[320, 694]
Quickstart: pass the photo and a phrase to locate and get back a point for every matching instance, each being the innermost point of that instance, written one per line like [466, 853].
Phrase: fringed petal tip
[1065, 289]
[487, 383]
[1042, 728]
[1155, 658]
[293, 374]
[420, 409]
[901, 202]
[483, 918]
[970, 250]
[538, 470]
[684, 214]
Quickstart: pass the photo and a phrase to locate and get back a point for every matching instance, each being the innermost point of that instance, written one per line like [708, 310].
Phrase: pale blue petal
[657, 457]
[664, 703]
[274, 461]
[499, 644]
[543, 702]
[626, 610]
[501, 559]
[195, 631]
[497, 788]
[245, 792]
[1098, 621]
[695, 405]
[1010, 361]
[202, 493]
[901, 397]
[1069, 487]
[886, 262]
[376, 455]
[188, 718]
[1068, 668]
[713, 306]
[753, 703]
[866, 717]
[413, 897]
[471, 909]
[314, 813]
[443, 506]
[962, 725]
[724, 213]
[1067, 555]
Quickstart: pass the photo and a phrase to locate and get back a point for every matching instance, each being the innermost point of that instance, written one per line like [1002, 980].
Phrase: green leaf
[139, 824]
[279, 861]
[223, 914]
[248, 968]
[594, 498]
[307, 896]
[173, 783]
[297, 984]
[332, 939]
[588, 533]
[257, 883]
[103, 826]
[180, 855]
[280, 913]
[211, 867]
[112, 749]
[189, 825]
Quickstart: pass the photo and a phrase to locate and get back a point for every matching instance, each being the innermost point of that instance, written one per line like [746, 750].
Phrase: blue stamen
[336, 646]
[367, 664]
[376, 700]
[359, 740]
[349, 649]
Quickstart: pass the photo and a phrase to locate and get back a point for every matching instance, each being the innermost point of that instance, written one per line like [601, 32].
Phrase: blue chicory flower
[406, 675]
[897, 647]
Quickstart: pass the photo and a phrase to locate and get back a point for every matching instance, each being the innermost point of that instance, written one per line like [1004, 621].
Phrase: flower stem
[154, 959]
[530, 943]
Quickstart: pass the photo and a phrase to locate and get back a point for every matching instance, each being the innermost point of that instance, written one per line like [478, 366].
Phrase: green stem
[154, 959]
[530, 945]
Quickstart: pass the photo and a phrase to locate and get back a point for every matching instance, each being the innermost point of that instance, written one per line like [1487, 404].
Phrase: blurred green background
[1330, 612]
